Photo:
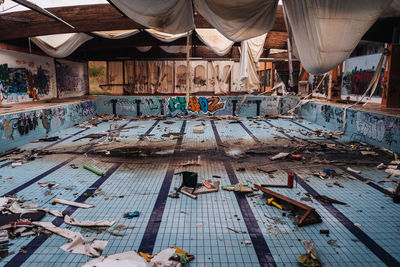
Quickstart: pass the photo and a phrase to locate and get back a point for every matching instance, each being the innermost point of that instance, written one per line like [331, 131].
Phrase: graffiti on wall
[379, 129]
[357, 81]
[23, 81]
[67, 79]
[196, 104]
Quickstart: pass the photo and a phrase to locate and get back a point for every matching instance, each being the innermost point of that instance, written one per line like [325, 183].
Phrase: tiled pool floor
[199, 226]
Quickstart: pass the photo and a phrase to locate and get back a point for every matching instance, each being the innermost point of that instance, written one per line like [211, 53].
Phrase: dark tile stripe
[250, 133]
[381, 253]
[263, 252]
[285, 134]
[66, 138]
[216, 134]
[40, 176]
[153, 226]
[333, 139]
[5, 164]
[53, 144]
[152, 127]
[35, 243]
[359, 177]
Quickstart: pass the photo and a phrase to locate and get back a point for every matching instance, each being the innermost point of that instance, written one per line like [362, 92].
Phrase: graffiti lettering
[196, 104]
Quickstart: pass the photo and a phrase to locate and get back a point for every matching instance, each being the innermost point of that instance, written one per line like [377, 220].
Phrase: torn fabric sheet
[72, 221]
[251, 51]
[144, 49]
[171, 16]
[174, 49]
[77, 244]
[165, 37]
[215, 41]
[60, 45]
[326, 32]
[239, 20]
[119, 34]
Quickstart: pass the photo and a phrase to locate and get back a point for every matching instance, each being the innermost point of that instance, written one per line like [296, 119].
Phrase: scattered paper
[72, 221]
[73, 203]
[279, 156]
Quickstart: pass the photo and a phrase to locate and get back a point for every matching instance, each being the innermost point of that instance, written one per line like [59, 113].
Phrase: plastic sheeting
[172, 16]
[251, 51]
[326, 31]
[120, 34]
[239, 20]
[215, 41]
[60, 45]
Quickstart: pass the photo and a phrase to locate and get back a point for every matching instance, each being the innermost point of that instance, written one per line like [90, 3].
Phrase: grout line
[35, 243]
[380, 252]
[311, 130]
[260, 245]
[373, 185]
[40, 176]
[53, 144]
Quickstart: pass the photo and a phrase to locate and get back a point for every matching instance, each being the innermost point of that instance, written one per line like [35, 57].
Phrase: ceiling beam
[86, 18]
[42, 11]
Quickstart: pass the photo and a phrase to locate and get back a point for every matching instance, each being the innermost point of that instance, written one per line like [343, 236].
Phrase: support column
[334, 89]
[391, 84]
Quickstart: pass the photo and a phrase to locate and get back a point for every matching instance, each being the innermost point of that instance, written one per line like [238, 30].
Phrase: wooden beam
[42, 11]
[391, 87]
[85, 18]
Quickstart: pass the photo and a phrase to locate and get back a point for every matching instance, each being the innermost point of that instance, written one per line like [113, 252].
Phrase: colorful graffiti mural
[21, 128]
[357, 81]
[21, 81]
[196, 104]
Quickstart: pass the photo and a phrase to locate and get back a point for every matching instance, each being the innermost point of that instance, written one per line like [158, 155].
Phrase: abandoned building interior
[200, 133]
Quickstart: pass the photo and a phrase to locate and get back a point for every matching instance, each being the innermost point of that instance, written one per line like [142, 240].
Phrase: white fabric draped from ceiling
[60, 45]
[250, 53]
[239, 20]
[215, 41]
[170, 16]
[327, 31]
[119, 34]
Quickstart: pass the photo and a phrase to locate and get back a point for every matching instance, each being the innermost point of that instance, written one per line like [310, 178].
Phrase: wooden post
[187, 69]
[391, 84]
[334, 89]
[272, 75]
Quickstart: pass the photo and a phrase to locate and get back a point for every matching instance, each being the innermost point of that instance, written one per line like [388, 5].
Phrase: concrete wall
[372, 128]
[20, 128]
[22, 73]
